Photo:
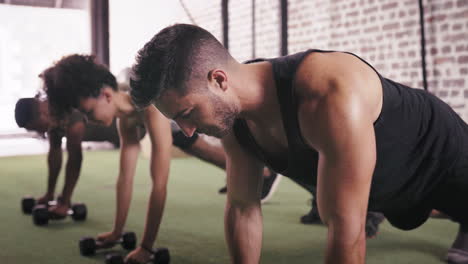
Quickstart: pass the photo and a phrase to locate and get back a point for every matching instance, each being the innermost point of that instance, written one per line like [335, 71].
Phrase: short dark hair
[175, 55]
[26, 111]
[74, 77]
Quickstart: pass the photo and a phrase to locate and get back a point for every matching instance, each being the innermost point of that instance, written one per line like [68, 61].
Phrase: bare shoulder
[336, 74]
[335, 92]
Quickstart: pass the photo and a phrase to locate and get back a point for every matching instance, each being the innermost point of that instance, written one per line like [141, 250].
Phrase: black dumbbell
[160, 256]
[28, 203]
[88, 245]
[41, 215]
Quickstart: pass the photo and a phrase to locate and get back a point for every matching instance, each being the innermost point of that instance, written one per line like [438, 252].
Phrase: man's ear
[219, 77]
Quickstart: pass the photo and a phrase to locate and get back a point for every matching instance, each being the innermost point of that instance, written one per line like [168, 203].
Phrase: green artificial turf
[192, 226]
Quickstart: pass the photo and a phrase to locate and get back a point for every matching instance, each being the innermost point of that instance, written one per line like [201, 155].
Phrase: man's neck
[256, 91]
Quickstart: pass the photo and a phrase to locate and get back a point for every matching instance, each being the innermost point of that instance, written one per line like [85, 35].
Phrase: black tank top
[416, 140]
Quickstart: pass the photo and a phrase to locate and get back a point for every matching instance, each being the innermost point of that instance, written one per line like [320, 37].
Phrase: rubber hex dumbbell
[160, 256]
[41, 214]
[89, 245]
[28, 203]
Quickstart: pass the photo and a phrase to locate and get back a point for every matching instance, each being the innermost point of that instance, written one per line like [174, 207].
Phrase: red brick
[389, 6]
[462, 3]
[448, 5]
[456, 83]
[354, 32]
[371, 29]
[391, 26]
[444, 27]
[352, 14]
[370, 10]
[403, 44]
[431, 83]
[442, 93]
[456, 27]
[442, 60]
[457, 37]
[446, 49]
[437, 18]
[410, 23]
[463, 14]
[416, 64]
[463, 59]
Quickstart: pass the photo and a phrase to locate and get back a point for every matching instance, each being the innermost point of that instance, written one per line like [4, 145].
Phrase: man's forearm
[345, 252]
[154, 215]
[212, 153]
[243, 230]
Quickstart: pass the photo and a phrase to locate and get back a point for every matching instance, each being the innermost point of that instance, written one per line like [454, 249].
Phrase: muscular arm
[243, 217]
[159, 131]
[343, 134]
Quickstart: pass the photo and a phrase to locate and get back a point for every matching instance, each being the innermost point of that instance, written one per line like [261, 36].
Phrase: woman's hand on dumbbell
[108, 239]
[137, 256]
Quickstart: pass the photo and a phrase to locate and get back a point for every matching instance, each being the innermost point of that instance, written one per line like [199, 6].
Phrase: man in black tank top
[326, 120]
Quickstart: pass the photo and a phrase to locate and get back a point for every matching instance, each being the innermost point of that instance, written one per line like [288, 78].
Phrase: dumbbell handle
[101, 245]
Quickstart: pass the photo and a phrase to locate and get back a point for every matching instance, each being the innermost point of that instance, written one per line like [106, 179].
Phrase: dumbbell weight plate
[162, 256]
[27, 204]
[87, 246]
[129, 240]
[40, 215]
[114, 259]
[79, 212]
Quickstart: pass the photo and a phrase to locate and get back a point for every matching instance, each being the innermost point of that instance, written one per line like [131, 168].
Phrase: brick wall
[384, 32]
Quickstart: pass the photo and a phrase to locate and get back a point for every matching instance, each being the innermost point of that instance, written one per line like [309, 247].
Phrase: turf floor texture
[192, 226]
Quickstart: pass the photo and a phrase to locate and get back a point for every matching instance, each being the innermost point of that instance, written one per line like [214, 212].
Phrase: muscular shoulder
[323, 73]
[323, 77]
[336, 86]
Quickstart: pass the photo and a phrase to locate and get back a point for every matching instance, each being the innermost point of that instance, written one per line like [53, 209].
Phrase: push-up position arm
[159, 131]
[54, 162]
[74, 135]
[243, 216]
[343, 134]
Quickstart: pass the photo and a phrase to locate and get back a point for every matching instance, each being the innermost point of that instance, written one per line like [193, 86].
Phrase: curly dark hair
[74, 77]
[176, 55]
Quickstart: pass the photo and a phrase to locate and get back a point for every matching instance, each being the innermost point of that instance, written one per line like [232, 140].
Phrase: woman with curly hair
[79, 82]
